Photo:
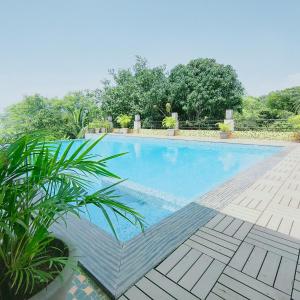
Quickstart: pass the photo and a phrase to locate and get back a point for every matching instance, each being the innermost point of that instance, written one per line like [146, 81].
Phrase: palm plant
[169, 122]
[76, 122]
[40, 183]
[124, 120]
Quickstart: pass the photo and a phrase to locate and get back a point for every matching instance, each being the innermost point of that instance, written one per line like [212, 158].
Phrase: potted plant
[94, 126]
[123, 121]
[169, 123]
[295, 122]
[105, 126]
[40, 184]
[225, 131]
[91, 128]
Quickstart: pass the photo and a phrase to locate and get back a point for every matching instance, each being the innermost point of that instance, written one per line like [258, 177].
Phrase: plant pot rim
[65, 275]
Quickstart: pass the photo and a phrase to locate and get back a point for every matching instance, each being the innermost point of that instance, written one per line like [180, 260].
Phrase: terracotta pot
[124, 130]
[224, 135]
[171, 132]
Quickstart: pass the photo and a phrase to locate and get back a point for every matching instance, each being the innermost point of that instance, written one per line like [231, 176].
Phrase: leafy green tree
[141, 90]
[204, 88]
[61, 118]
[285, 100]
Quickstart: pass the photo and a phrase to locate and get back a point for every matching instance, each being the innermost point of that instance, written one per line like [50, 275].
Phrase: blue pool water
[165, 175]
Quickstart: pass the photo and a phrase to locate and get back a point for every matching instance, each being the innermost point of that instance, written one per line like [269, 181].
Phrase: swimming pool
[164, 175]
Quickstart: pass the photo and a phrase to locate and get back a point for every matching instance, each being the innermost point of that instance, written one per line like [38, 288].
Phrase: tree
[77, 110]
[61, 118]
[285, 100]
[204, 88]
[140, 90]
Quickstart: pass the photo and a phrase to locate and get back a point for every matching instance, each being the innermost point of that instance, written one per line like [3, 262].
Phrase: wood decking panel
[208, 279]
[173, 259]
[226, 293]
[152, 289]
[285, 276]
[169, 286]
[256, 285]
[219, 235]
[195, 272]
[210, 252]
[254, 262]
[240, 257]
[184, 265]
[135, 294]
[269, 268]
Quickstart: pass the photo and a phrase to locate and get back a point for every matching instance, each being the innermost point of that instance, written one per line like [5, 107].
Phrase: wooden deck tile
[208, 280]
[217, 240]
[195, 272]
[152, 289]
[254, 284]
[269, 268]
[135, 294]
[215, 220]
[226, 293]
[254, 262]
[241, 256]
[243, 231]
[173, 259]
[213, 296]
[169, 286]
[233, 227]
[285, 276]
[223, 224]
[184, 265]
[206, 250]
[221, 235]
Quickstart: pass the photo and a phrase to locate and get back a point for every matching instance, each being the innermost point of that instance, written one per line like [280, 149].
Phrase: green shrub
[94, 124]
[169, 122]
[295, 122]
[224, 127]
[124, 120]
[105, 124]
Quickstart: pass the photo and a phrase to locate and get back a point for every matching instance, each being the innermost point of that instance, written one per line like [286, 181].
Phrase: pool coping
[118, 265]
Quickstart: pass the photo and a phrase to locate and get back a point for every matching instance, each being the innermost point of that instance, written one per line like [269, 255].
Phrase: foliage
[295, 122]
[105, 124]
[224, 127]
[61, 118]
[94, 124]
[257, 115]
[169, 122]
[204, 88]
[124, 120]
[284, 100]
[200, 90]
[40, 183]
[139, 90]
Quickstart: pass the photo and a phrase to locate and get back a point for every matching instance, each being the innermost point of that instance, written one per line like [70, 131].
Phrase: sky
[53, 47]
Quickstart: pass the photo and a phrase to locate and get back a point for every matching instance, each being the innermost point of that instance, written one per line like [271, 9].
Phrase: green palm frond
[40, 183]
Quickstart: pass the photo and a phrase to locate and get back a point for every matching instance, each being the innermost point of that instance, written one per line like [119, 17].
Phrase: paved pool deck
[250, 250]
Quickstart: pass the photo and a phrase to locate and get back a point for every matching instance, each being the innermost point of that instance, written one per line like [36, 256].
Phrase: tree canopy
[200, 89]
[204, 88]
[139, 90]
[61, 118]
